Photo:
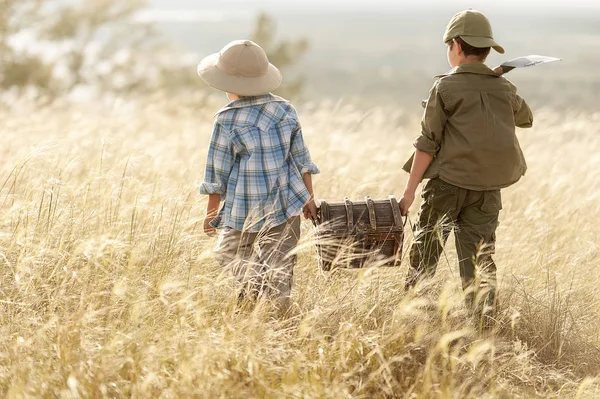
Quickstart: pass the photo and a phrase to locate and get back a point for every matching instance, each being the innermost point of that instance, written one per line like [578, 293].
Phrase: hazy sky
[465, 3]
[483, 4]
[219, 10]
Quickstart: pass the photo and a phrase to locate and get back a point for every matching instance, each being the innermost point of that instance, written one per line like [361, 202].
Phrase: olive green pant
[262, 263]
[473, 215]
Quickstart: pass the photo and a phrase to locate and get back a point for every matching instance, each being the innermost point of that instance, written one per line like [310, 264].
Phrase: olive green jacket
[469, 128]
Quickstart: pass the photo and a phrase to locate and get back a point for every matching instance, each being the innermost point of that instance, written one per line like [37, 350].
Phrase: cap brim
[245, 86]
[479, 41]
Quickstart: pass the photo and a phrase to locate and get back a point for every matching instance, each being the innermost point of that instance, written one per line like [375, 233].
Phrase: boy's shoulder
[471, 75]
[248, 111]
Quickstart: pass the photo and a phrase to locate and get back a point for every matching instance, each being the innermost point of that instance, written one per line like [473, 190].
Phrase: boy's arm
[214, 200]
[300, 154]
[426, 145]
[433, 122]
[420, 164]
[218, 167]
[523, 114]
[301, 157]
[310, 209]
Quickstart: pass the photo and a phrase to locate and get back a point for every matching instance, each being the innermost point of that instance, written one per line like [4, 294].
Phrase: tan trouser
[261, 262]
[474, 217]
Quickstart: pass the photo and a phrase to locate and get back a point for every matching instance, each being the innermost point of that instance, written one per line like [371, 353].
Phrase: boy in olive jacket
[469, 150]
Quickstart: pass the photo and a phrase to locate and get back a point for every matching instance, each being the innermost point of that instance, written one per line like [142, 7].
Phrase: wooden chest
[353, 234]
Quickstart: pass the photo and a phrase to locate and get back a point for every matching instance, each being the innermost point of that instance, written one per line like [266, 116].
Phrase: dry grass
[108, 288]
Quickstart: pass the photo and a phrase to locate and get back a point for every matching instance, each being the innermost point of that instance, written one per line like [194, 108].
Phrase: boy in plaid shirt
[259, 167]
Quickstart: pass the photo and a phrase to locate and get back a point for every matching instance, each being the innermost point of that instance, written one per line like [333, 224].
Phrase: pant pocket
[441, 196]
[227, 245]
[492, 201]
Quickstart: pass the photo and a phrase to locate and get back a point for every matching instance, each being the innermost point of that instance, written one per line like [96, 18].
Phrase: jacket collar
[479, 69]
[251, 101]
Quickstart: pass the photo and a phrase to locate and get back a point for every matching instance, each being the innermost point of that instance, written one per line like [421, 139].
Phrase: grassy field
[108, 288]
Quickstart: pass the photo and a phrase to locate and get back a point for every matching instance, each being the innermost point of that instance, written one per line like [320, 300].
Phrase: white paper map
[528, 61]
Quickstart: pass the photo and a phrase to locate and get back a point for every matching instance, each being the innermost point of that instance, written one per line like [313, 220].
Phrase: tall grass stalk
[108, 287]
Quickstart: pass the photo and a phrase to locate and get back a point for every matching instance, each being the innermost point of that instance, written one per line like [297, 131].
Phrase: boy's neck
[471, 60]
[233, 97]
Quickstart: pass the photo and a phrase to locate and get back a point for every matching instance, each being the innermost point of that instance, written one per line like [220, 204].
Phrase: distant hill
[390, 53]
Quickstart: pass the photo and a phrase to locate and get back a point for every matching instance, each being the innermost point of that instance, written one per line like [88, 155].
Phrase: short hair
[479, 52]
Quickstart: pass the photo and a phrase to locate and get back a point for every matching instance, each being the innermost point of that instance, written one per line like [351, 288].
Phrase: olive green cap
[474, 28]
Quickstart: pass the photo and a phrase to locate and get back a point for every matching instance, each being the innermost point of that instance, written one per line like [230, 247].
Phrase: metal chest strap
[371, 209]
[396, 212]
[349, 214]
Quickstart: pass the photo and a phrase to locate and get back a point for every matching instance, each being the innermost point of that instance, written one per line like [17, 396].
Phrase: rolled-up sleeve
[432, 124]
[218, 163]
[523, 114]
[300, 154]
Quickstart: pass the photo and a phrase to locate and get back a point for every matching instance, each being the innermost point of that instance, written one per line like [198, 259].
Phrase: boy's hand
[405, 202]
[208, 229]
[501, 70]
[310, 210]
[212, 208]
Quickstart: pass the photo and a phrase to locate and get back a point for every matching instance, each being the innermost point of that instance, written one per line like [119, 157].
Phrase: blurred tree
[284, 54]
[18, 67]
[101, 44]
[55, 47]
[52, 48]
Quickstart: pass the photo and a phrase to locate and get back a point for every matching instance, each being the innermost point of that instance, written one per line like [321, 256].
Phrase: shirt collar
[479, 69]
[251, 101]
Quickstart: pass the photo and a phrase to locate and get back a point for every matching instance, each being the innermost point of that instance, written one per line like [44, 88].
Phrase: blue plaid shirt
[256, 160]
